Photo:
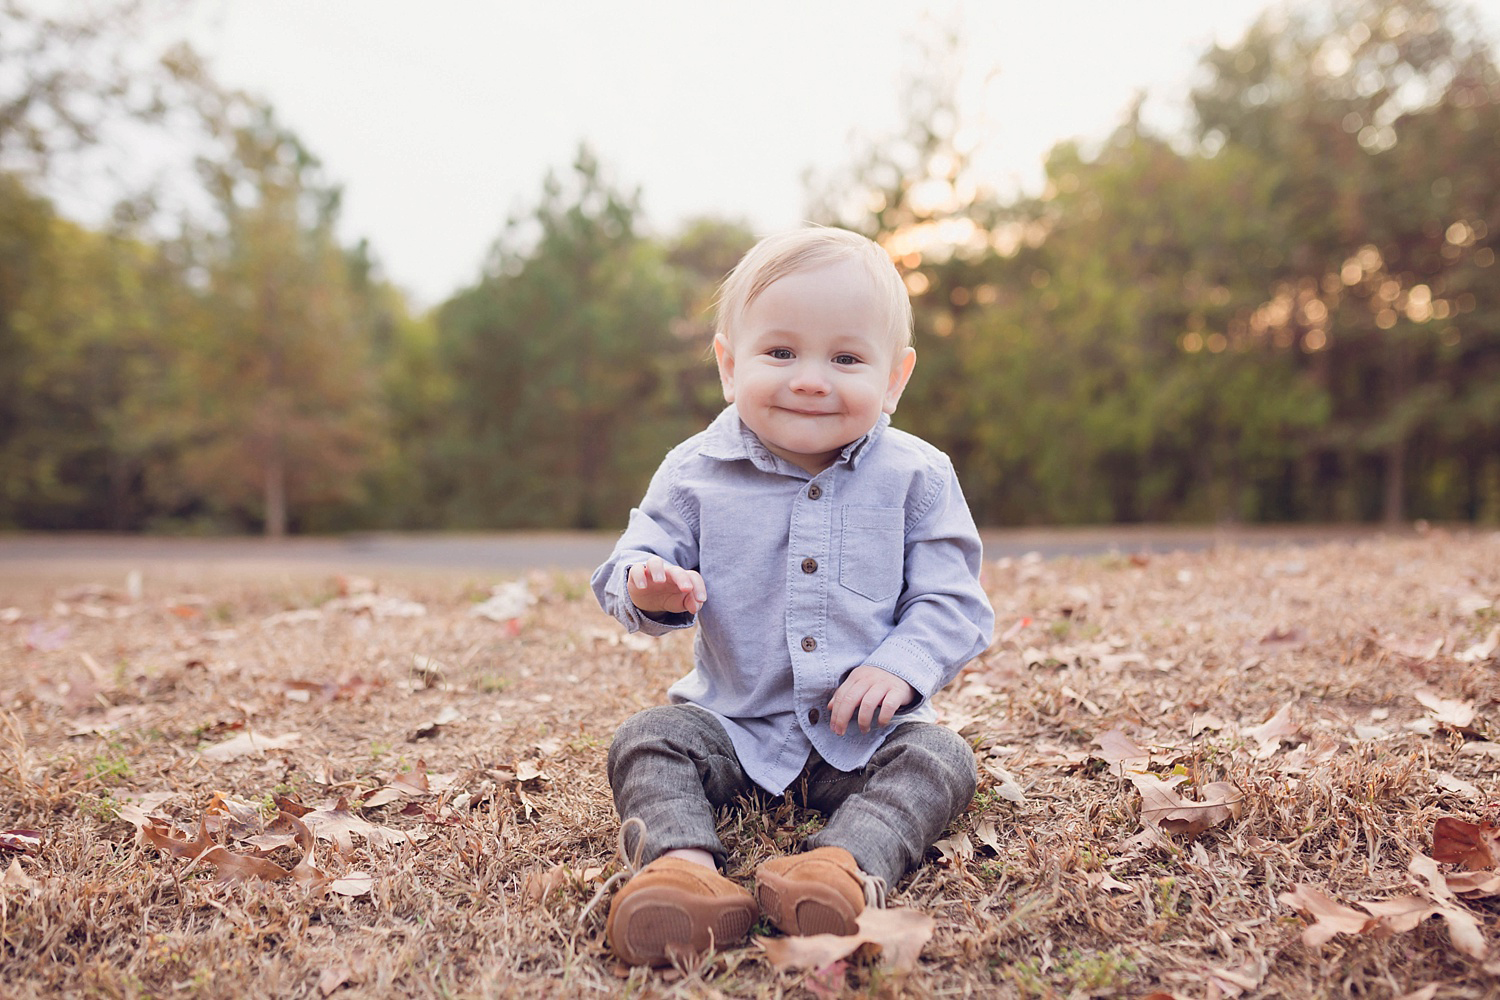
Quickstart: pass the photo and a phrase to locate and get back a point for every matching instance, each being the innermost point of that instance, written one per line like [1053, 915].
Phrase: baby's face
[813, 362]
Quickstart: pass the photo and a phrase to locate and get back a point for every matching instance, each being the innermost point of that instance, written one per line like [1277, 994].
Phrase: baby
[832, 568]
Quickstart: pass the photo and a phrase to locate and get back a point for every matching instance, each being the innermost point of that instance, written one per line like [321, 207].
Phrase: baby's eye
[845, 359]
[780, 353]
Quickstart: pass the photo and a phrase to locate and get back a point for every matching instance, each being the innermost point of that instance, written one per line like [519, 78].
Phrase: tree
[276, 404]
[1378, 126]
[562, 358]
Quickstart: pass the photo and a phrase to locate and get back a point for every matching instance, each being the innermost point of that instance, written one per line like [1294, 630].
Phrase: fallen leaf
[29, 841]
[507, 601]
[1270, 733]
[1458, 786]
[1425, 993]
[338, 824]
[1476, 846]
[1329, 917]
[531, 770]
[539, 886]
[988, 836]
[1121, 752]
[1481, 651]
[898, 934]
[232, 869]
[353, 884]
[248, 743]
[237, 818]
[957, 848]
[1106, 881]
[332, 978]
[16, 878]
[1285, 638]
[1418, 650]
[1163, 809]
[1455, 714]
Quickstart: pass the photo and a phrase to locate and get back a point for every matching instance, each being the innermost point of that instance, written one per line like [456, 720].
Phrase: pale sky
[442, 117]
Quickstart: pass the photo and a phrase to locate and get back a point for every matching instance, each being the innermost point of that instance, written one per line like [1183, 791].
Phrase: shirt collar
[727, 439]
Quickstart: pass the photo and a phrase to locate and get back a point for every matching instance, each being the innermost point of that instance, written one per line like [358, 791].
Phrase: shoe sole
[654, 924]
[813, 907]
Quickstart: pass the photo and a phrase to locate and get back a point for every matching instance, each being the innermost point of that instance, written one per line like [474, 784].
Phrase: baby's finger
[657, 568]
[867, 709]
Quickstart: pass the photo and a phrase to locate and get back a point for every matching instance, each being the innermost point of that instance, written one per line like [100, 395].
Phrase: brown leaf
[247, 743]
[898, 934]
[539, 886]
[29, 841]
[16, 878]
[1006, 785]
[1453, 714]
[353, 884]
[163, 836]
[333, 977]
[1105, 881]
[1425, 993]
[232, 869]
[1270, 733]
[236, 817]
[1329, 917]
[1220, 803]
[1476, 884]
[1474, 845]
[338, 824]
[1121, 752]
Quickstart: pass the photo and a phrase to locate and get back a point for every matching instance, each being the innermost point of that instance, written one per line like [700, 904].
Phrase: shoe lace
[875, 890]
[630, 862]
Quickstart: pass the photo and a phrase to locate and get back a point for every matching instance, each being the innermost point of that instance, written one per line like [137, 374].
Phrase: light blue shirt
[875, 560]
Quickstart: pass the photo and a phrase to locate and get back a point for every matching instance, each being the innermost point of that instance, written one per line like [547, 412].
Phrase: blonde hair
[785, 253]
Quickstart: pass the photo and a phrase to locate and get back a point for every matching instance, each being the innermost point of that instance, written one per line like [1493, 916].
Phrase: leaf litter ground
[1244, 772]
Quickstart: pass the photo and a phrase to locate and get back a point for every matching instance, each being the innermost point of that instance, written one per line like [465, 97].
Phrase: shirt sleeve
[657, 527]
[943, 617]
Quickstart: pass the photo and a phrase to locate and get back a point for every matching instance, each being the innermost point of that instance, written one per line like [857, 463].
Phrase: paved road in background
[517, 552]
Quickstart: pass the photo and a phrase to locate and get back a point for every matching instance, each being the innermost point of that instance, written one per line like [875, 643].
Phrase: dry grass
[104, 698]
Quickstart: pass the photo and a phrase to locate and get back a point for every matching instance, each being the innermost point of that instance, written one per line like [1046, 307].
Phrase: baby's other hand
[657, 585]
[868, 690]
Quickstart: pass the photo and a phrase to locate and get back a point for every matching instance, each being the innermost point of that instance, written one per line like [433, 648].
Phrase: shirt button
[809, 565]
[809, 644]
[812, 716]
[814, 491]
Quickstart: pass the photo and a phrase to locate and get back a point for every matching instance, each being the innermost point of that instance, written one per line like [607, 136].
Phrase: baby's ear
[725, 356]
[901, 370]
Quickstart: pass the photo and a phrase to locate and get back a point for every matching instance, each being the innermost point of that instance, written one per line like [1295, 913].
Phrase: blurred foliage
[1288, 313]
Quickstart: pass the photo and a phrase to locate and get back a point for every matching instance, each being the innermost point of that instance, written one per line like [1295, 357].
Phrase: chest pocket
[872, 551]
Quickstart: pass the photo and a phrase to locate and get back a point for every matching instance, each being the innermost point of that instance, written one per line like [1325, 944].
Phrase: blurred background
[1168, 265]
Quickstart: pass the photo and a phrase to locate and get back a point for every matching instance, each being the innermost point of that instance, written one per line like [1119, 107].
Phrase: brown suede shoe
[673, 906]
[821, 891]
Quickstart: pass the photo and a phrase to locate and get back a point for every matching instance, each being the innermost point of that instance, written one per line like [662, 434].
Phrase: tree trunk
[1394, 509]
[276, 494]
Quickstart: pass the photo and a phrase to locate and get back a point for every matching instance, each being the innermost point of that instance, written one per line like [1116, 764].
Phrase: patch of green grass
[493, 683]
[109, 764]
[104, 808]
[1075, 972]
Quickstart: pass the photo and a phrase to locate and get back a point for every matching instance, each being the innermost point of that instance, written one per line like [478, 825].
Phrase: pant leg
[899, 804]
[671, 766]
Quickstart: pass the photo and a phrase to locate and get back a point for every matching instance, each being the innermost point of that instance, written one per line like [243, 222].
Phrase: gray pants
[673, 765]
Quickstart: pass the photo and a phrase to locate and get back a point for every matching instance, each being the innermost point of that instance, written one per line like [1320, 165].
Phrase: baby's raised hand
[867, 690]
[657, 585]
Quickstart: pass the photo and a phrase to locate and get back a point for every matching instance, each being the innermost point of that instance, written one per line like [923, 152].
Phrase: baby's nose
[809, 378]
